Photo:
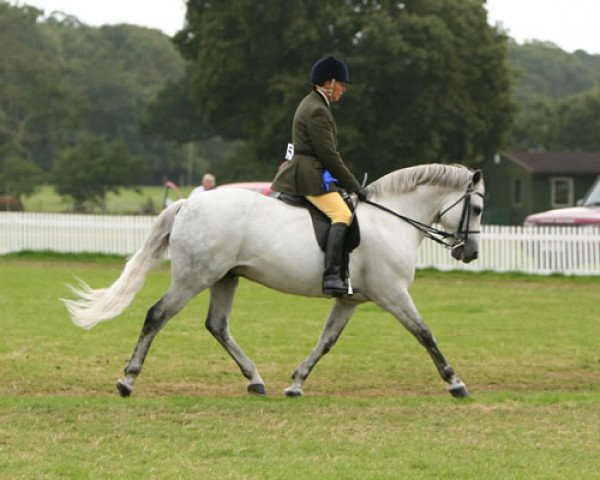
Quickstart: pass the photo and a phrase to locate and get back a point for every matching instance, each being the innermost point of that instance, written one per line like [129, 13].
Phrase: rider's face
[339, 88]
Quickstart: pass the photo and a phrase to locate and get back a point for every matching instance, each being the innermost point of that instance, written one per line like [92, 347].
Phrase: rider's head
[331, 75]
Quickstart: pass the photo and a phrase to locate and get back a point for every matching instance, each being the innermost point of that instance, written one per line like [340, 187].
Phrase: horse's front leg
[217, 323]
[403, 308]
[338, 318]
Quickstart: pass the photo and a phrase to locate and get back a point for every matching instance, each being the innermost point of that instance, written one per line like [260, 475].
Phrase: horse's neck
[421, 204]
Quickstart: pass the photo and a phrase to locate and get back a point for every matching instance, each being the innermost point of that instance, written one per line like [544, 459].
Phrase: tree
[173, 116]
[18, 176]
[579, 122]
[544, 69]
[89, 170]
[35, 99]
[433, 85]
[535, 127]
[431, 81]
[567, 124]
[248, 65]
[61, 79]
[118, 71]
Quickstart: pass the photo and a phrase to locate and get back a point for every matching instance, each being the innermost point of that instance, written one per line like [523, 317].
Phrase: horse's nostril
[475, 255]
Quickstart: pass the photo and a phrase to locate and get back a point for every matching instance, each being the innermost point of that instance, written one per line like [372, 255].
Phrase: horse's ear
[477, 175]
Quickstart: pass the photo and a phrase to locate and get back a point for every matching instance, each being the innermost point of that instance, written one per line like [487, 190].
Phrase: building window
[517, 192]
[561, 192]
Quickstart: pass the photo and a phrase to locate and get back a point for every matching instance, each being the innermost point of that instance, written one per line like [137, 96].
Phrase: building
[522, 183]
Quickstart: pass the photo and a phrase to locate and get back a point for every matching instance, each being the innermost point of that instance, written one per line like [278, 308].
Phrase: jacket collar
[323, 97]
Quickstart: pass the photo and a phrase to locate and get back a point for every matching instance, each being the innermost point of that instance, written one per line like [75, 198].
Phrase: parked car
[586, 213]
[263, 188]
[554, 251]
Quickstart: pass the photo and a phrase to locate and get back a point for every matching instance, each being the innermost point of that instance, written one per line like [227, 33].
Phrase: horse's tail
[94, 306]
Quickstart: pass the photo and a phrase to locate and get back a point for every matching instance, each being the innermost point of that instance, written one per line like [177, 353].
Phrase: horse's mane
[407, 179]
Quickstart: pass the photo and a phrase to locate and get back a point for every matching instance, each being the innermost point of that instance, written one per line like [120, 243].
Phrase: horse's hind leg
[403, 308]
[338, 318]
[156, 318]
[217, 323]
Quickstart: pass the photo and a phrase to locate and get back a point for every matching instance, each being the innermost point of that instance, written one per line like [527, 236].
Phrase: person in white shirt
[208, 183]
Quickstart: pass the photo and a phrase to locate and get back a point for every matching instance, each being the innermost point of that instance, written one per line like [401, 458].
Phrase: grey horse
[222, 235]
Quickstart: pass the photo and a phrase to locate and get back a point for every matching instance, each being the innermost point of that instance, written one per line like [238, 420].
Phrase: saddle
[322, 224]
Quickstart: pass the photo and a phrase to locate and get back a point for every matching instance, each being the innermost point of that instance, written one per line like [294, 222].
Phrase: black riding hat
[327, 68]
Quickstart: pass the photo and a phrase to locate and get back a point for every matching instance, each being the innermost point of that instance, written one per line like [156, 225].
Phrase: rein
[433, 233]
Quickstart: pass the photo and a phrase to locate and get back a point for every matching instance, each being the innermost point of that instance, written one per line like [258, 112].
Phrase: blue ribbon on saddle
[328, 179]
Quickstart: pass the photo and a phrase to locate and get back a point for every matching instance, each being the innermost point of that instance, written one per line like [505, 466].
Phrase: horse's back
[256, 236]
[235, 212]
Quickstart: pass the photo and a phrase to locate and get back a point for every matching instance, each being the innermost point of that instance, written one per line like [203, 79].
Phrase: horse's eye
[477, 210]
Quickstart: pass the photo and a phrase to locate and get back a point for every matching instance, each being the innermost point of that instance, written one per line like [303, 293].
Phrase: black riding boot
[333, 283]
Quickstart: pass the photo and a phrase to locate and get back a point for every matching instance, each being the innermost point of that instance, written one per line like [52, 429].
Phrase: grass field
[128, 201]
[375, 407]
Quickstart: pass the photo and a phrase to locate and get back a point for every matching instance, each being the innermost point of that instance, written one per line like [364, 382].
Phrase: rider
[316, 168]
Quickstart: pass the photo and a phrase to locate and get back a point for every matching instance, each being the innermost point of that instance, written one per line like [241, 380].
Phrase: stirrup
[336, 291]
[340, 293]
[351, 290]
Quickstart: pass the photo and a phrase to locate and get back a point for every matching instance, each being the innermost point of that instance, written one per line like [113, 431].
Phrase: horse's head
[458, 203]
[461, 215]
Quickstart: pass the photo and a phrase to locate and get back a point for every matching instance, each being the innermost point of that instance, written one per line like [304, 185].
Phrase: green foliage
[579, 122]
[430, 80]
[559, 96]
[568, 124]
[534, 127]
[35, 98]
[89, 170]
[248, 66]
[544, 70]
[434, 86]
[431, 83]
[173, 115]
[19, 176]
[60, 80]
[117, 71]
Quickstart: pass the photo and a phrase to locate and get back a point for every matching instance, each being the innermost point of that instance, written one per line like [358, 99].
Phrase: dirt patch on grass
[558, 382]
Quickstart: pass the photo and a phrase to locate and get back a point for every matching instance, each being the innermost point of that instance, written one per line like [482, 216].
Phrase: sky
[165, 15]
[570, 24]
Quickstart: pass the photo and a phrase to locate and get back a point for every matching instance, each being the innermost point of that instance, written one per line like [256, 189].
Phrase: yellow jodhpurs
[332, 204]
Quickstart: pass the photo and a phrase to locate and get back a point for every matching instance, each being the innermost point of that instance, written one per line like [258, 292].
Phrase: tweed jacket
[314, 135]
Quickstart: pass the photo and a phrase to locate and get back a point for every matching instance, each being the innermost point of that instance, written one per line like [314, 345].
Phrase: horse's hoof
[458, 390]
[124, 388]
[257, 389]
[293, 392]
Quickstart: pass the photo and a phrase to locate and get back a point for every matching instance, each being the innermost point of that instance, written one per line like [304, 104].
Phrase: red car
[587, 213]
[263, 188]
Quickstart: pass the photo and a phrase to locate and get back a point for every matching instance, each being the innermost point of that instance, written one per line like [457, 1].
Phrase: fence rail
[113, 234]
[535, 250]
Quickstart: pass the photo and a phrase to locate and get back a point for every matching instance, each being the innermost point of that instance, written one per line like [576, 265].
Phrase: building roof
[571, 163]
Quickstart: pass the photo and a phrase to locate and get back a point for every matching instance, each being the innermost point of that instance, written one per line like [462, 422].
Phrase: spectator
[170, 187]
[208, 183]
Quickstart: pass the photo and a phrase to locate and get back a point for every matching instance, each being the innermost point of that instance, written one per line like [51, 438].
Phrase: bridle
[449, 240]
[462, 232]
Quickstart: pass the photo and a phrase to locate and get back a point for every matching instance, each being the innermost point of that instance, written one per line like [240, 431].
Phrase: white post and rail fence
[531, 250]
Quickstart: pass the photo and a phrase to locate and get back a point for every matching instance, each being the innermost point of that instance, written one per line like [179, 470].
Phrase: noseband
[462, 232]
[448, 240]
